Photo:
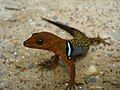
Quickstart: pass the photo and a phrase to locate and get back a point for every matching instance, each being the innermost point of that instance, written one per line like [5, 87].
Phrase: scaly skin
[51, 42]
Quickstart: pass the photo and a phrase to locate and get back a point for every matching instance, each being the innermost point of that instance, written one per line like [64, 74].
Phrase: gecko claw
[72, 86]
[46, 65]
[101, 40]
[49, 64]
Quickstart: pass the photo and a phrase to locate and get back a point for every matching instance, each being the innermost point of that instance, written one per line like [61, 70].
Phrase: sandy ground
[98, 70]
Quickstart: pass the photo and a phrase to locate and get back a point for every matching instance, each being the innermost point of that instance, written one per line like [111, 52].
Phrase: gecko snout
[25, 43]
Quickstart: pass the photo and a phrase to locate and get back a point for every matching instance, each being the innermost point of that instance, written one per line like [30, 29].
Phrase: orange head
[43, 40]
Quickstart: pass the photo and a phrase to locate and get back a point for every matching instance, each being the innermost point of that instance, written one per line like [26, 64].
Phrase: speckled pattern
[99, 69]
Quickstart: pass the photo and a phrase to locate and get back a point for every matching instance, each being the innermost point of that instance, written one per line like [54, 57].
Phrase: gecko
[68, 50]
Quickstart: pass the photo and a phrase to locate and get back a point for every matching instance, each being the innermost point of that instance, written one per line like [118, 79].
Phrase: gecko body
[68, 50]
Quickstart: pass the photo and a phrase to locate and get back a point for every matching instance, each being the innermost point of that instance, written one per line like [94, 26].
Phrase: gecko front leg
[50, 64]
[71, 70]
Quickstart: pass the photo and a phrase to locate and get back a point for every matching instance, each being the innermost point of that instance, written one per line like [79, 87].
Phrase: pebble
[1, 55]
[1, 88]
[90, 79]
[48, 75]
[115, 36]
[55, 17]
[92, 49]
[91, 70]
[15, 54]
[80, 88]
[16, 73]
[109, 54]
[31, 66]
[2, 72]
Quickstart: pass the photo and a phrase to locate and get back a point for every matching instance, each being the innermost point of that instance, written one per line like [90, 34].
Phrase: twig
[9, 8]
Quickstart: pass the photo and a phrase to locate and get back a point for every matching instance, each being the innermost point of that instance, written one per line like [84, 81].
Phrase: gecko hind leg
[99, 40]
[50, 64]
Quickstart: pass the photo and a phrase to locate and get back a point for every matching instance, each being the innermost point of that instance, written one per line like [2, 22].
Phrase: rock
[92, 49]
[91, 70]
[109, 54]
[115, 36]
[15, 54]
[1, 88]
[31, 66]
[90, 79]
[1, 55]
[2, 72]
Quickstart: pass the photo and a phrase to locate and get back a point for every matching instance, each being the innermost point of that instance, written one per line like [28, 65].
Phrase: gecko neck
[58, 46]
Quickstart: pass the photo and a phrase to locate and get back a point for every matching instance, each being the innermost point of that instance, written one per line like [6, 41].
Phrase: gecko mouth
[26, 44]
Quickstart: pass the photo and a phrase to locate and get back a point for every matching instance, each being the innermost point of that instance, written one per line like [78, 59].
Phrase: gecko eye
[40, 41]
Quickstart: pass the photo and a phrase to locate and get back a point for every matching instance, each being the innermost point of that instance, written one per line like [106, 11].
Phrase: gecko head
[43, 40]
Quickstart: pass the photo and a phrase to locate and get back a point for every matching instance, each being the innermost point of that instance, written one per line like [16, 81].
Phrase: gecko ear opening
[39, 41]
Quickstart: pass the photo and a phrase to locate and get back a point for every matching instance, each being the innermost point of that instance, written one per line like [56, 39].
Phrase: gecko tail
[70, 30]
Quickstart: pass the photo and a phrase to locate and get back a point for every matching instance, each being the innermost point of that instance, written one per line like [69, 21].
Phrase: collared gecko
[68, 50]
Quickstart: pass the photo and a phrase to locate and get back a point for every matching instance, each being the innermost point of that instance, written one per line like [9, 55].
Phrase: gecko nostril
[25, 43]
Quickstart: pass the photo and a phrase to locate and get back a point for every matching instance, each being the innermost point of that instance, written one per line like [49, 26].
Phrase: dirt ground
[98, 70]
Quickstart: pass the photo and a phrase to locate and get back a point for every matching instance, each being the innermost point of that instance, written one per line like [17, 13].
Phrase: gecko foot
[100, 40]
[49, 64]
[73, 86]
